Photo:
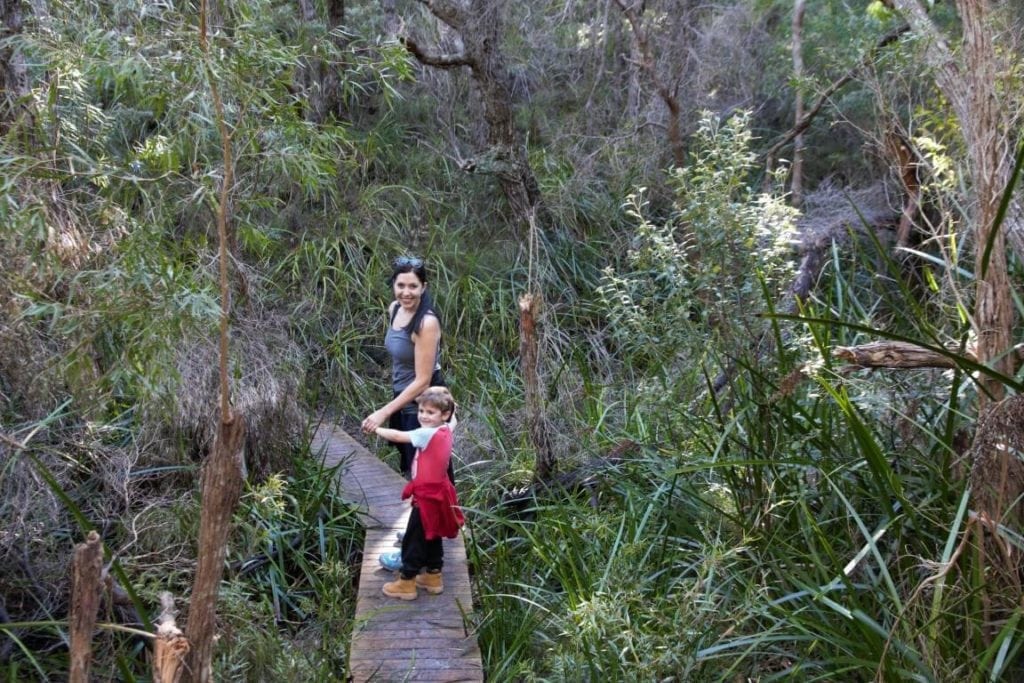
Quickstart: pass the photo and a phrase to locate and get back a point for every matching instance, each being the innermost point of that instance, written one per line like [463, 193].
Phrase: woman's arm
[425, 344]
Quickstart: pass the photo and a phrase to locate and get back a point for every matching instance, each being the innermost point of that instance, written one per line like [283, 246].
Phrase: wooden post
[87, 567]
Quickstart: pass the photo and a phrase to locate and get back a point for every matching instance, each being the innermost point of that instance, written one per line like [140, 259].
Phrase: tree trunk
[529, 355]
[972, 93]
[971, 89]
[797, 172]
[479, 25]
[633, 87]
[310, 73]
[391, 22]
[900, 149]
[221, 488]
[13, 72]
[321, 83]
[642, 47]
[87, 568]
[221, 484]
[334, 102]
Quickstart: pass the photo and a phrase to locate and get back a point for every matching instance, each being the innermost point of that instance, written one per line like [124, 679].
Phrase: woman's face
[408, 290]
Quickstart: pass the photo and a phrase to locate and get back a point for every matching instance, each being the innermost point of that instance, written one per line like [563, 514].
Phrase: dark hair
[416, 266]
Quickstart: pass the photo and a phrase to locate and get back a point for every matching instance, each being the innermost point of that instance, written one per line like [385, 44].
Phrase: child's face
[431, 416]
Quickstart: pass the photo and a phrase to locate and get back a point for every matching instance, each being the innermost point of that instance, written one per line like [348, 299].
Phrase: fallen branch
[902, 355]
[895, 354]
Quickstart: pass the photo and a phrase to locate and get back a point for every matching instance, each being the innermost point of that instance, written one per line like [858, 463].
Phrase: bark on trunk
[797, 172]
[87, 569]
[221, 489]
[529, 355]
[391, 22]
[320, 82]
[972, 94]
[13, 72]
[997, 479]
[334, 102]
[971, 88]
[222, 476]
[311, 71]
[900, 149]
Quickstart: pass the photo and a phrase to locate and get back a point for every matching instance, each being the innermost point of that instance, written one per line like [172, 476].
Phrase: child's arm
[393, 435]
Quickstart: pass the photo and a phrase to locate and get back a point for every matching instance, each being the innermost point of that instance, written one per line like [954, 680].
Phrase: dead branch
[903, 355]
[87, 567]
[896, 354]
[171, 646]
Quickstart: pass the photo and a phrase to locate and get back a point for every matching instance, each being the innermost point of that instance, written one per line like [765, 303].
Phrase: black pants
[405, 420]
[417, 552]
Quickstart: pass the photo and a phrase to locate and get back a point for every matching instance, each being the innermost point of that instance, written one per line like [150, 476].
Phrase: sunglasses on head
[408, 262]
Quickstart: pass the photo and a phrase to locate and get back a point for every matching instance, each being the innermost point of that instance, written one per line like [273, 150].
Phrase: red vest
[432, 491]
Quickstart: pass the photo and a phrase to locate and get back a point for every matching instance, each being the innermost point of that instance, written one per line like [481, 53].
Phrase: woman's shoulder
[430, 322]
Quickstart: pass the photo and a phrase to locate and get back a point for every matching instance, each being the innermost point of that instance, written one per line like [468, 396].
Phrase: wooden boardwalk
[393, 640]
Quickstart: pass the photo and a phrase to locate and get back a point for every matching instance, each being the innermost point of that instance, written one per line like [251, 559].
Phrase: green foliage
[292, 556]
[699, 269]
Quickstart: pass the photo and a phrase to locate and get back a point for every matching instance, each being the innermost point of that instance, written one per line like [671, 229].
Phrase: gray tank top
[403, 355]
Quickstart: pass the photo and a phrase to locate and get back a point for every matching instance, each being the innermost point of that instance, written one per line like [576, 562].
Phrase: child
[435, 513]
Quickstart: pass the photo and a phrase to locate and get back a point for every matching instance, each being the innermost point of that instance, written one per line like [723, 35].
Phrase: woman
[414, 341]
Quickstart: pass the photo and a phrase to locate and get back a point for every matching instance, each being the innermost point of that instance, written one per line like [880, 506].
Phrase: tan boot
[431, 583]
[402, 589]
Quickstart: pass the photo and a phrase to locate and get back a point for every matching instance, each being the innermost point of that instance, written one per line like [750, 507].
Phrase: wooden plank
[382, 673]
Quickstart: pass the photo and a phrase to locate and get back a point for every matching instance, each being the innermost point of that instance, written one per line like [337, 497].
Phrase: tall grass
[809, 526]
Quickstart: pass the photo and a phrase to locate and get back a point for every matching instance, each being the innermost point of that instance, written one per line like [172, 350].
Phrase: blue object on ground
[392, 561]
